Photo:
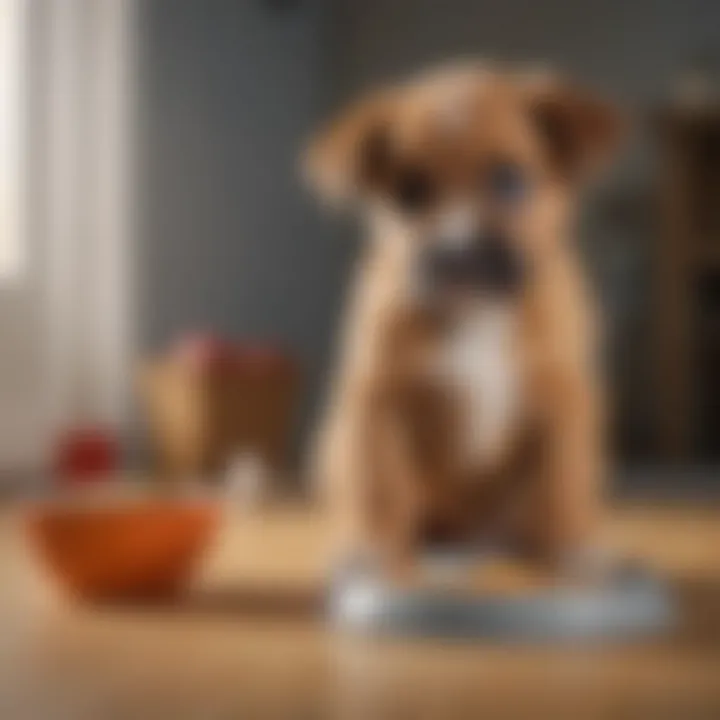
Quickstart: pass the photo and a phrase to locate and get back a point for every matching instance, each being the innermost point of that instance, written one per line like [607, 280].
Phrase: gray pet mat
[631, 602]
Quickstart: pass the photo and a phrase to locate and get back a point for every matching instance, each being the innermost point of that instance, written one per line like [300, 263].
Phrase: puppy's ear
[579, 130]
[352, 155]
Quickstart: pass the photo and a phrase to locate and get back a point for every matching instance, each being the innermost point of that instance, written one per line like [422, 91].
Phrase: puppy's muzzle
[490, 265]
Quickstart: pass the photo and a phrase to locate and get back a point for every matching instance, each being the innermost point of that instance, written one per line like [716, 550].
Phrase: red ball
[85, 454]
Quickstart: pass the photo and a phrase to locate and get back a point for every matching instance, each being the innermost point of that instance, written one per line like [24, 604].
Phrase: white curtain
[88, 78]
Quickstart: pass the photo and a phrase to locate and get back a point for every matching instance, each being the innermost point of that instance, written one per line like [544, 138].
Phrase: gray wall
[630, 48]
[228, 239]
[231, 88]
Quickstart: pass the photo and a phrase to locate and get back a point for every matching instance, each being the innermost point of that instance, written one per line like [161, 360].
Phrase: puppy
[466, 404]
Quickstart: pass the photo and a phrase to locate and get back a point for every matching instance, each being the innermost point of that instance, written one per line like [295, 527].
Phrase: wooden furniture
[249, 643]
[687, 287]
[200, 419]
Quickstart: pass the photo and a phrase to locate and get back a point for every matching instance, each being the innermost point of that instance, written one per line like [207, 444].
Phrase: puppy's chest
[477, 361]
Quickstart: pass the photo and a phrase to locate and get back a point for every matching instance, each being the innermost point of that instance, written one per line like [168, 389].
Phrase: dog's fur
[487, 420]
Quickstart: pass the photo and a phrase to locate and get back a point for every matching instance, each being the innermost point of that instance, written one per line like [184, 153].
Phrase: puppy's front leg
[378, 493]
[570, 487]
[403, 493]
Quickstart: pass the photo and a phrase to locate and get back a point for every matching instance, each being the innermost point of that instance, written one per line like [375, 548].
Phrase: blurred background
[150, 191]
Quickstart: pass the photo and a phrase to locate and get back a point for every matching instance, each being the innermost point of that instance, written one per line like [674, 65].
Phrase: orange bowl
[140, 551]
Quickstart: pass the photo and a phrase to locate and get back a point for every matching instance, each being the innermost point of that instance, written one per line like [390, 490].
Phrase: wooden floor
[248, 644]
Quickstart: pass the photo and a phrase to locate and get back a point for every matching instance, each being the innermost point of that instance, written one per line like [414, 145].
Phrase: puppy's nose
[499, 266]
[489, 264]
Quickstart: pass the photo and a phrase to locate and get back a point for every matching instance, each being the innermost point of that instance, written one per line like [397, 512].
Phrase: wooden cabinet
[687, 287]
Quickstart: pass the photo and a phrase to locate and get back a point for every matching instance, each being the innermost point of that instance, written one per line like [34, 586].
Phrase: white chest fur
[479, 359]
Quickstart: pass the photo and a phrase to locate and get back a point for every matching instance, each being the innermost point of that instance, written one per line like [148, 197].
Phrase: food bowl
[108, 552]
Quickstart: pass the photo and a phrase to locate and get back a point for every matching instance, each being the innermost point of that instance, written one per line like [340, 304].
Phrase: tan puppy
[466, 402]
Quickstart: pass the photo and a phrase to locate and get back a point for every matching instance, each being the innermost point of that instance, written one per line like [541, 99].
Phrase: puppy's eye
[414, 189]
[508, 182]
